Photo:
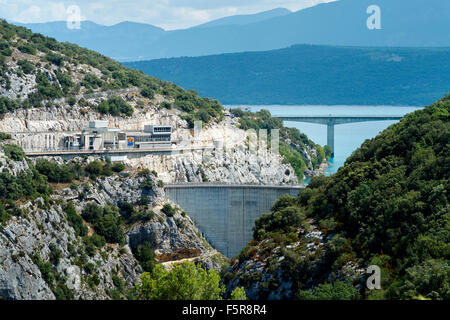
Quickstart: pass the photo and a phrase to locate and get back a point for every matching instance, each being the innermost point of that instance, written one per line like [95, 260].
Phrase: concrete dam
[226, 214]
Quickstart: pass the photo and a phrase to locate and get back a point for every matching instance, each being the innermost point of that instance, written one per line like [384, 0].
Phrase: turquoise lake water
[348, 137]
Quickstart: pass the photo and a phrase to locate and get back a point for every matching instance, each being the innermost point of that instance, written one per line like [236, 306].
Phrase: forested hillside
[36, 71]
[388, 206]
[315, 75]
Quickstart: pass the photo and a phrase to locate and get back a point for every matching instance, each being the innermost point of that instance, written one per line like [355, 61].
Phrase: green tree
[186, 281]
[146, 257]
[94, 167]
[14, 152]
[92, 212]
[238, 294]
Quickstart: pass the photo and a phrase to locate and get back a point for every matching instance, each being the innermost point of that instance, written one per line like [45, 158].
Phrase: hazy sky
[168, 14]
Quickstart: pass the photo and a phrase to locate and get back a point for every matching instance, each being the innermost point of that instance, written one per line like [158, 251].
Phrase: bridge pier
[330, 136]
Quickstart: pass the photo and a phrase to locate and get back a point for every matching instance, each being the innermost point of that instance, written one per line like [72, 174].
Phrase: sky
[167, 14]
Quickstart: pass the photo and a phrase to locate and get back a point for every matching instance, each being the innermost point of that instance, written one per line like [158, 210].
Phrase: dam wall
[226, 214]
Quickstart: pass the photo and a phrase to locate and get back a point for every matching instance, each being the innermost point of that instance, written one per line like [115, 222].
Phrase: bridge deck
[332, 120]
[340, 116]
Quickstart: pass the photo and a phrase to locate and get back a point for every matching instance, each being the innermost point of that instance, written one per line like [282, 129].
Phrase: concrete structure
[152, 137]
[226, 214]
[330, 121]
[98, 136]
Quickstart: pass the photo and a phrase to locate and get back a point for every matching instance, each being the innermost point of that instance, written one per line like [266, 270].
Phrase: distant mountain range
[124, 41]
[404, 23]
[246, 19]
[306, 74]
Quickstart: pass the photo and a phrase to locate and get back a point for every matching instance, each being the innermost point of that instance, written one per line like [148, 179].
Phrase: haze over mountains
[404, 23]
[246, 18]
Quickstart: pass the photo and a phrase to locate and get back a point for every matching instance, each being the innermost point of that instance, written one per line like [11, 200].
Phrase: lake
[347, 137]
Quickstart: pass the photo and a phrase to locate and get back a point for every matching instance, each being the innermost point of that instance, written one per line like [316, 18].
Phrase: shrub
[98, 240]
[126, 209]
[110, 227]
[144, 172]
[238, 294]
[147, 184]
[14, 152]
[6, 52]
[72, 101]
[4, 136]
[26, 48]
[284, 220]
[54, 172]
[118, 167]
[95, 167]
[91, 81]
[55, 254]
[146, 257]
[147, 93]
[339, 290]
[7, 105]
[55, 58]
[26, 66]
[168, 210]
[106, 222]
[92, 212]
[75, 220]
[166, 105]
[115, 106]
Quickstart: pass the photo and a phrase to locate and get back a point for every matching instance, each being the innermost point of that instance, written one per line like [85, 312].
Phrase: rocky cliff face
[42, 228]
[42, 231]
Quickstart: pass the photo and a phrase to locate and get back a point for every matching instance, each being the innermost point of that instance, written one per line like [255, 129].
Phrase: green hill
[314, 75]
[388, 206]
[36, 70]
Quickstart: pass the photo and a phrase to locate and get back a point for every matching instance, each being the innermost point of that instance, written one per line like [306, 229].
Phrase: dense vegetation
[106, 221]
[300, 74]
[185, 281]
[26, 185]
[55, 77]
[115, 106]
[292, 142]
[388, 206]
[73, 170]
